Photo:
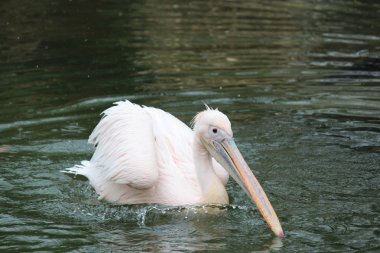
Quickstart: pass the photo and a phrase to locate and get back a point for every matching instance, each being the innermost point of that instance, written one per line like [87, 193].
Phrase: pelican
[146, 155]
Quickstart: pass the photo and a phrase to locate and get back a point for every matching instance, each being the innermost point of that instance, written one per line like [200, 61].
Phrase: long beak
[228, 155]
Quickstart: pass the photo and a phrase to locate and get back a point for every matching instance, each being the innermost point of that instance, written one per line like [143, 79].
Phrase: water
[300, 81]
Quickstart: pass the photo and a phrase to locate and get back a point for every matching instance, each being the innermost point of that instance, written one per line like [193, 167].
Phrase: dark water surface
[300, 81]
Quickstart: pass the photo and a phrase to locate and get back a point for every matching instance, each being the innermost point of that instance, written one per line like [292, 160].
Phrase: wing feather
[125, 150]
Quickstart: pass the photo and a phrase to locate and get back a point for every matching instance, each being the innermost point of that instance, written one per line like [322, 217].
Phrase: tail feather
[79, 169]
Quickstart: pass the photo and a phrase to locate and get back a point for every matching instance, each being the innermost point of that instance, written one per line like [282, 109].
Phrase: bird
[146, 155]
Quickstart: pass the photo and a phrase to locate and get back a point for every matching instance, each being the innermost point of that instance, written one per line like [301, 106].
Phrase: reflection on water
[298, 79]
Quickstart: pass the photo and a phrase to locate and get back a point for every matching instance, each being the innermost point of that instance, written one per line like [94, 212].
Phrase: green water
[299, 80]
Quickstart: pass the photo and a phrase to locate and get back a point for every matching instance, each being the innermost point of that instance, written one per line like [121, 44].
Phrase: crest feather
[198, 116]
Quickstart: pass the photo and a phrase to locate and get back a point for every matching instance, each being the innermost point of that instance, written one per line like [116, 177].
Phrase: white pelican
[146, 155]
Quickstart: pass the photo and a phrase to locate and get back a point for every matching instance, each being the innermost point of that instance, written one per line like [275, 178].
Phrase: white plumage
[144, 155]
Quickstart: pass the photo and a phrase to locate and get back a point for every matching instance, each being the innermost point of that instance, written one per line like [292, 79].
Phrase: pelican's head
[213, 130]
